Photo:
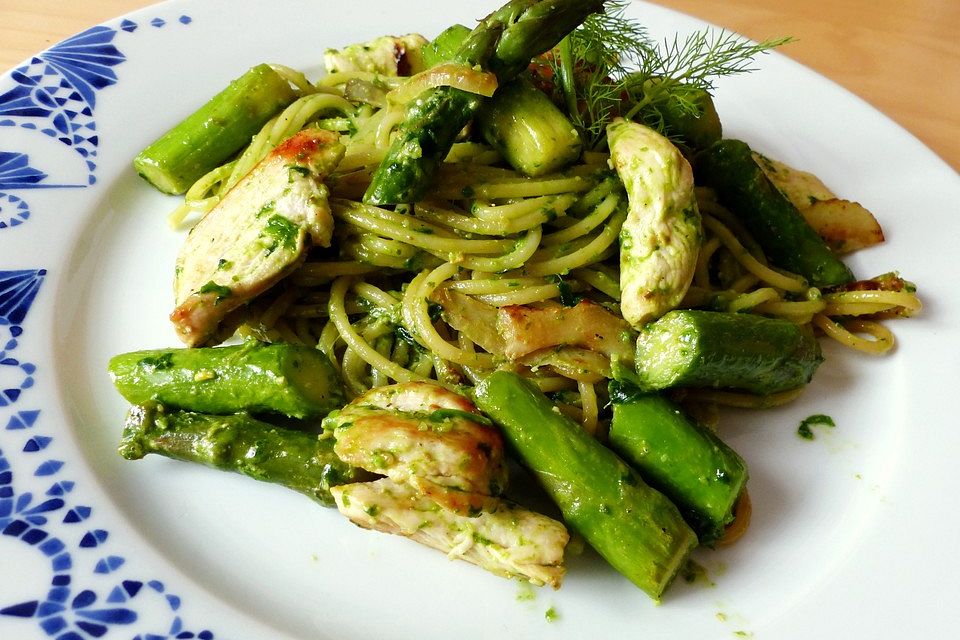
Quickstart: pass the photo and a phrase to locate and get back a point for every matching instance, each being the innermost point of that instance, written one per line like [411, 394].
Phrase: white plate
[852, 533]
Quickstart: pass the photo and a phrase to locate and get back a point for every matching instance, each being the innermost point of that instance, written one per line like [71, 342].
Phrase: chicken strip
[387, 55]
[475, 319]
[444, 465]
[660, 239]
[508, 540]
[258, 233]
[424, 435]
[526, 329]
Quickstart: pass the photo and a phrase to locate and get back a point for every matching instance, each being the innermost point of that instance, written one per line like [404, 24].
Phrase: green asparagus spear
[683, 460]
[213, 133]
[289, 379]
[634, 527]
[503, 42]
[444, 47]
[729, 168]
[691, 348]
[528, 130]
[424, 139]
[295, 459]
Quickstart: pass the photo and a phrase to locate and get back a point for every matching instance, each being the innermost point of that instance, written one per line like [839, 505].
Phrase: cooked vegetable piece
[430, 126]
[213, 133]
[503, 42]
[386, 55]
[295, 459]
[693, 131]
[528, 130]
[801, 188]
[844, 225]
[729, 168]
[258, 233]
[288, 379]
[661, 236]
[444, 47]
[684, 460]
[507, 540]
[634, 527]
[692, 348]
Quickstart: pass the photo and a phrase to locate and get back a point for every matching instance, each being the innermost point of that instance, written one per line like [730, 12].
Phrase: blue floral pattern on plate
[88, 594]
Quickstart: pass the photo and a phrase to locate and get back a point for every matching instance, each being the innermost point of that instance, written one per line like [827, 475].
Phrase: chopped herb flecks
[221, 291]
[806, 432]
[158, 363]
[283, 233]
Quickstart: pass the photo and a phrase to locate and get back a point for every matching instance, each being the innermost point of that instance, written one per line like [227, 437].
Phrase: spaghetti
[492, 238]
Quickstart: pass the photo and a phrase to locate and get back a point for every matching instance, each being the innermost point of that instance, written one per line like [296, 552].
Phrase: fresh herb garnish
[611, 61]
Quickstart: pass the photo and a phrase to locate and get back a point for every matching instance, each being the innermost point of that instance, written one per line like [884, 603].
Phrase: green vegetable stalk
[634, 527]
[216, 131]
[445, 46]
[691, 348]
[504, 43]
[684, 460]
[292, 380]
[528, 130]
[297, 460]
[729, 168]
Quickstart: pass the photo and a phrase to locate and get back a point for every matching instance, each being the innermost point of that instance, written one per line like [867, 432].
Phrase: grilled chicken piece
[386, 55]
[258, 233]
[475, 319]
[508, 540]
[416, 397]
[660, 239]
[526, 329]
[420, 433]
[444, 466]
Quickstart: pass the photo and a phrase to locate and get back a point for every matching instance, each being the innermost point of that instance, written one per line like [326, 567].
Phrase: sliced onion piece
[460, 77]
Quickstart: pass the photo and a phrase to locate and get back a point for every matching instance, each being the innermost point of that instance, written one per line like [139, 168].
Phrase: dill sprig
[610, 61]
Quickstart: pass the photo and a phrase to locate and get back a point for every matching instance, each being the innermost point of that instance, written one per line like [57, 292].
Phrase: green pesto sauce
[296, 170]
[805, 429]
[266, 209]
[567, 297]
[221, 291]
[283, 232]
[551, 614]
[694, 572]
[525, 592]
[441, 415]
[157, 363]
[479, 539]
[204, 375]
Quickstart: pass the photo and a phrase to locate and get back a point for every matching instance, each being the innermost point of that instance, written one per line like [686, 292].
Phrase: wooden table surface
[902, 56]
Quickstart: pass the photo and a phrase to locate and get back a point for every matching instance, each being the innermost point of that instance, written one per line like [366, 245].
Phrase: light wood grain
[902, 56]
